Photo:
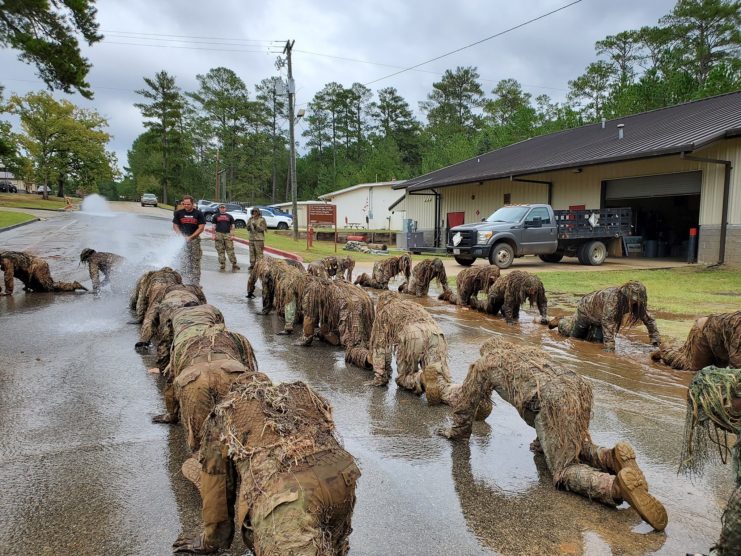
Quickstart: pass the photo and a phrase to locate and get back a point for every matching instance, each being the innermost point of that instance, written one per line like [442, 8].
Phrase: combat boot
[431, 385]
[222, 268]
[624, 456]
[553, 323]
[634, 490]
[235, 267]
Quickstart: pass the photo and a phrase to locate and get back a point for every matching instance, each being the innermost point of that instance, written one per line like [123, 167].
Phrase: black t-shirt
[223, 222]
[188, 222]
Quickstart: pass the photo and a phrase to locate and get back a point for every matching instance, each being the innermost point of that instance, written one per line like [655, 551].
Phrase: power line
[499, 34]
[264, 51]
[193, 37]
[188, 41]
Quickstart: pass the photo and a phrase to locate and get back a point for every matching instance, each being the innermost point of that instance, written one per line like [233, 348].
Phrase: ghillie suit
[98, 262]
[384, 271]
[406, 330]
[33, 272]
[289, 291]
[469, 282]
[604, 312]
[295, 264]
[186, 321]
[345, 267]
[340, 314]
[267, 270]
[511, 291]
[423, 274]
[317, 268]
[147, 286]
[163, 304]
[713, 340]
[558, 404]
[270, 450]
[324, 268]
[199, 345]
[714, 412]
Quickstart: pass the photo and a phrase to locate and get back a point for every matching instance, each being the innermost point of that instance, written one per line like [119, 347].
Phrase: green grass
[32, 201]
[12, 218]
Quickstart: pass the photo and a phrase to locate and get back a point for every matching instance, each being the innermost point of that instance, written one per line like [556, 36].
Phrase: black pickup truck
[517, 230]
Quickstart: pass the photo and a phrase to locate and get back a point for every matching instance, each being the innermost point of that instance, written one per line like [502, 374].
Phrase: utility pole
[291, 132]
[218, 192]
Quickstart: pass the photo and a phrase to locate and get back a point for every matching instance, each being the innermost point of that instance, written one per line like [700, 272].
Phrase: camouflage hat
[86, 253]
[635, 291]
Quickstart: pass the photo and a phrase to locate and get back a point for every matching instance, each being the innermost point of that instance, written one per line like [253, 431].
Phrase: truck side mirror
[536, 222]
[483, 219]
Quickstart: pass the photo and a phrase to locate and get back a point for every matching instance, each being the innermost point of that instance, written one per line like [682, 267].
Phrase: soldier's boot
[553, 323]
[222, 267]
[235, 267]
[430, 379]
[624, 457]
[192, 471]
[287, 331]
[634, 490]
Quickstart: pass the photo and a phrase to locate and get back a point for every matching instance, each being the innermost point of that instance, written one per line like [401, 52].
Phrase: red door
[456, 219]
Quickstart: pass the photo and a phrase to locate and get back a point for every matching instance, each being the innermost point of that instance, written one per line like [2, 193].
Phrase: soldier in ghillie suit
[147, 287]
[469, 282]
[385, 271]
[600, 315]
[423, 274]
[271, 451]
[267, 270]
[325, 267]
[558, 404]
[33, 272]
[161, 307]
[405, 329]
[97, 262]
[345, 266]
[289, 292]
[340, 314]
[713, 340]
[713, 412]
[511, 291]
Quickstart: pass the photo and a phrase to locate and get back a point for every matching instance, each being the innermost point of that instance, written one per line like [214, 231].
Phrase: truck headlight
[483, 237]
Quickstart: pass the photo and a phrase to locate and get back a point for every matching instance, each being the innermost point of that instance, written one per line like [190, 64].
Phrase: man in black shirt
[223, 228]
[189, 223]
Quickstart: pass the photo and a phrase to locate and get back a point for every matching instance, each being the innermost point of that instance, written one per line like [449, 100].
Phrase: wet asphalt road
[84, 471]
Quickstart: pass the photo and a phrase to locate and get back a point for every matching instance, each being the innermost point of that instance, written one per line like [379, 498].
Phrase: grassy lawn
[32, 201]
[12, 218]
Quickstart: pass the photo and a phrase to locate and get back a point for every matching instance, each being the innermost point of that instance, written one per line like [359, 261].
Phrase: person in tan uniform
[269, 455]
[100, 262]
[511, 291]
[33, 272]
[384, 271]
[469, 282]
[558, 403]
[256, 227]
[423, 274]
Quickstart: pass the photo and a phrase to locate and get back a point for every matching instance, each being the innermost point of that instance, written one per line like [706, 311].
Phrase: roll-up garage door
[663, 185]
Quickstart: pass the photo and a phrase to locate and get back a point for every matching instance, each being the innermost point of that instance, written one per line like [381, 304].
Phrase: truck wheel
[593, 253]
[464, 261]
[240, 224]
[552, 258]
[502, 255]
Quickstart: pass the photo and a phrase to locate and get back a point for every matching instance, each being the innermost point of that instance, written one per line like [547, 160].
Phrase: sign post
[322, 214]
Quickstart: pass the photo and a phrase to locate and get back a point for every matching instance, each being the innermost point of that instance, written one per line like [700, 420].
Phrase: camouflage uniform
[405, 329]
[317, 268]
[601, 314]
[225, 245]
[345, 266]
[384, 271]
[289, 291]
[713, 340]
[423, 274]
[256, 227]
[192, 261]
[100, 262]
[267, 270]
[341, 314]
[511, 291]
[713, 411]
[469, 282]
[33, 272]
[558, 404]
[296, 490]
[148, 287]
[163, 304]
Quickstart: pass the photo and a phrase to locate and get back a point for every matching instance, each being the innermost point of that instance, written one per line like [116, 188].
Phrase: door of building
[456, 219]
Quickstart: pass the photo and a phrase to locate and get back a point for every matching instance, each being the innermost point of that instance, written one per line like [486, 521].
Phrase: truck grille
[468, 238]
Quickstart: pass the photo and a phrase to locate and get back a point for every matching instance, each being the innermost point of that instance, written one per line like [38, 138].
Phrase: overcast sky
[187, 38]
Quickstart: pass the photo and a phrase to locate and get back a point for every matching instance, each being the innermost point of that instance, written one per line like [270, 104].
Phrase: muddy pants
[224, 245]
[192, 262]
[574, 327]
[256, 247]
[592, 478]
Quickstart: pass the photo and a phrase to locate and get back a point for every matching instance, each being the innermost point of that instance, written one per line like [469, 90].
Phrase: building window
[508, 198]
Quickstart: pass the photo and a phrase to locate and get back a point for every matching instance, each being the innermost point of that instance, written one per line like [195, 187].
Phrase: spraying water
[96, 205]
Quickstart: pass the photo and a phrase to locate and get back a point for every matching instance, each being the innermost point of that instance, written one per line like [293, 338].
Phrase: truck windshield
[508, 214]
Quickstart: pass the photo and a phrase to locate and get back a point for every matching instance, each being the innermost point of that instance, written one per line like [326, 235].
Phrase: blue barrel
[651, 248]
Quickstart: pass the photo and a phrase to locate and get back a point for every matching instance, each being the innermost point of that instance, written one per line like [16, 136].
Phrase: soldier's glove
[141, 347]
[450, 434]
[543, 320]
[194, 545]
[655, 343]
[165, 418]
[250, 296]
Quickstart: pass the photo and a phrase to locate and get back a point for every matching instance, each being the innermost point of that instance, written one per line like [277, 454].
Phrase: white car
[273, 220]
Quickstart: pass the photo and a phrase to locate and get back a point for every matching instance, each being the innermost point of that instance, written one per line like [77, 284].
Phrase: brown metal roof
[681, 128]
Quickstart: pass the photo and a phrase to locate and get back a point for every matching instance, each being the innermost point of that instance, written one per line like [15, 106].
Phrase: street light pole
[292, 136]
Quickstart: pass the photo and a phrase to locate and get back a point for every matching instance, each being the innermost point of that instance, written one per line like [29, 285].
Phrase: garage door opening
[665, 207]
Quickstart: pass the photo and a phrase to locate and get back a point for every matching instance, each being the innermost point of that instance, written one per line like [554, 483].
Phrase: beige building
[365, 205]
[676, 168]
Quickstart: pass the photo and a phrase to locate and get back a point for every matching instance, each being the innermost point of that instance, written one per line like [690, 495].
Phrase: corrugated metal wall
[479, 201]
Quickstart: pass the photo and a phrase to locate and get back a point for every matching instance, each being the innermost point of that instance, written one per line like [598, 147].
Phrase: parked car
[278, 211]
[212, 209]
[7, 187]
[276, 221]
[41, 188]
[203, 203]
[149, 199]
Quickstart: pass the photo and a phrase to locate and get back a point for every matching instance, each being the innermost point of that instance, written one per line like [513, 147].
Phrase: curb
[271, 250]
[14, 226]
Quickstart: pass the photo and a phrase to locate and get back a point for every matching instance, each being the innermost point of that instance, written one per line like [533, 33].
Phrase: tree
[622, 53]
[454, 101]
[163, 112]
[44, 31]
[395, 121]
[592, 88]
[270, 92]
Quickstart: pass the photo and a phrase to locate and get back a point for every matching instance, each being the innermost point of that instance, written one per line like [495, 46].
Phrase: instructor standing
[256, 226]
[223, 228]
[189, 223]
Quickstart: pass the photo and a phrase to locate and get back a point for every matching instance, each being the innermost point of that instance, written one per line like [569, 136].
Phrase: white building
[366, 205]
